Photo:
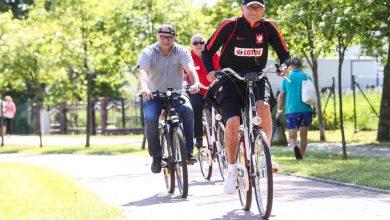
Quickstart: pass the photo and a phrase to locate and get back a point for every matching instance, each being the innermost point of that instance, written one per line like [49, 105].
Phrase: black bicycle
[174, 152]
[253, 157]
[214, 131]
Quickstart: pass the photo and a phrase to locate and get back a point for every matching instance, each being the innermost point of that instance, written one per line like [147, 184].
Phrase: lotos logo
[248, 52]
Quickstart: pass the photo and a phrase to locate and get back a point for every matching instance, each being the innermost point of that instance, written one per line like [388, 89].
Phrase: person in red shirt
[197, 101]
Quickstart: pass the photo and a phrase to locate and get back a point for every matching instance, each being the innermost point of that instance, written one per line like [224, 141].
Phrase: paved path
[126, 182]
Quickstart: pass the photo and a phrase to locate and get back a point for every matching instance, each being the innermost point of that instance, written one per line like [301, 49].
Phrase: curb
[337, 183]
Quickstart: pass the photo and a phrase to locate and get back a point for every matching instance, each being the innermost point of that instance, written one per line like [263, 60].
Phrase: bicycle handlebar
[251, 76]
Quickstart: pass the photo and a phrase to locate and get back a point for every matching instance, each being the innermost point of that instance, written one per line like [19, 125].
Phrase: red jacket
[201, 70]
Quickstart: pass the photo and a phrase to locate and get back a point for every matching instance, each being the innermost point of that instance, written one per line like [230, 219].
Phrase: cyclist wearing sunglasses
[244, 41]
[161, 67]
[197, 101]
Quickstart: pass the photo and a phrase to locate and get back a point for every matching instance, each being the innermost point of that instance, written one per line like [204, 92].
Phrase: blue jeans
[152, 109]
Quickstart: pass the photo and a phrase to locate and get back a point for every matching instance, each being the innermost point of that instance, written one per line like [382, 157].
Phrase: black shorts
[234, 96]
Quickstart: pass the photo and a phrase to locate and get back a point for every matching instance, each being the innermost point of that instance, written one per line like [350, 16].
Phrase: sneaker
[191, 159]
[156, 165]
[231, 180]
[199, 142]
[297, 152]
[275, 166]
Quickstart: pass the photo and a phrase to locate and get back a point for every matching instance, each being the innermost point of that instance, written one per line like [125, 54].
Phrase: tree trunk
[103, 114]
[62, 118]
[384, 117]
[314, 67]
[341, 51]
[321, 123]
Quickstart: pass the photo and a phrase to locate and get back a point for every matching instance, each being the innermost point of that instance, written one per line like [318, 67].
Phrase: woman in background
[9, 110]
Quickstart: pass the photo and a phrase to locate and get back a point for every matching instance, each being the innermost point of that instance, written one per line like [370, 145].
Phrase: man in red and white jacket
[244, 41]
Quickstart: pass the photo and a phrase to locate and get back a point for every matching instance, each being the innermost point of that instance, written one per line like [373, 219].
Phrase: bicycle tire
[180, 157]
[221, 151]
[205, 157]
[244, 195]
[168, 171]
[263, 179]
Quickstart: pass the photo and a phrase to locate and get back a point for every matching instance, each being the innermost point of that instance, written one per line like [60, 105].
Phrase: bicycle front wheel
[243, 183]
[167, 167]
[263, 178]
[180, 156]
[205, 156]
[221, 151]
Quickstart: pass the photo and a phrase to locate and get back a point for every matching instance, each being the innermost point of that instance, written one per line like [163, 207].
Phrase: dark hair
[296, 61]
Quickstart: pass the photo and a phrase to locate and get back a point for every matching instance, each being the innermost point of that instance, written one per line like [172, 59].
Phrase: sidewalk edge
[337, 183]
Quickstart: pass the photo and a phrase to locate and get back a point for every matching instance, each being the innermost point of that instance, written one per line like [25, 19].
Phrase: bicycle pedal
[164, 164]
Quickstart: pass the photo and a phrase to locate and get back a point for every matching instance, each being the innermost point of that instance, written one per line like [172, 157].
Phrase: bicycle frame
[212, 126]
[171, 132]
[255, 149]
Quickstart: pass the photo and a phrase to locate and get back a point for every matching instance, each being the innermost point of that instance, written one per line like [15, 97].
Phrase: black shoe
[156, 165]
[297, 152]
[199, 142]
[191, 159]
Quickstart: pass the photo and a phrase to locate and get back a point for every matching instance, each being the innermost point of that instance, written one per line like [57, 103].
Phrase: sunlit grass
[92, 150]
[31, 192]
[358, 138]
[366, 171]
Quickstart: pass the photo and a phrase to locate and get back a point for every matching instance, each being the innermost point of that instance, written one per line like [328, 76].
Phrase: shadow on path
[157, 199]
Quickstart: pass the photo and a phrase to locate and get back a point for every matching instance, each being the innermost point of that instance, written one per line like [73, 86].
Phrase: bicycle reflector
[256, 121]
[175, 119]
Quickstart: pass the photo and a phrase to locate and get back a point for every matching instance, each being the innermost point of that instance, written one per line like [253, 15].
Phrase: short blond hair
[8, 98]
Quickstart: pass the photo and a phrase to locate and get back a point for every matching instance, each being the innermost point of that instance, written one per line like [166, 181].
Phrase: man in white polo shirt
[160, 67]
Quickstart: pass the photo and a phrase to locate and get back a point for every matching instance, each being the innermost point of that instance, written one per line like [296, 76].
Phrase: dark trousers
[8, 124]
[197, 103]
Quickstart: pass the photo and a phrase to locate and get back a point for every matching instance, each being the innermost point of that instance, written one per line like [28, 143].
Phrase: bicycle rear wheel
[244, 185]
[221, 151]
[263, 178]
[205, 155]
[167, 168]
[180, 156]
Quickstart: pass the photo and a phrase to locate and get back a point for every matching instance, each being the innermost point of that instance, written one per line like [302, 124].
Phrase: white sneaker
[275, 166]
[231, 180]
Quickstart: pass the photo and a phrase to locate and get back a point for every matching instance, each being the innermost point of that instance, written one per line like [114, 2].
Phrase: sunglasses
[197, 43]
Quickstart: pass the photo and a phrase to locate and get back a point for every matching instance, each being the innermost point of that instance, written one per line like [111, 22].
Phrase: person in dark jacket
[244, 43]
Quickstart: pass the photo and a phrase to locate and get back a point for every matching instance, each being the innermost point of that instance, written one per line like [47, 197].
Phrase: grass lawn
[359, 138]
[93, 150]
[31, 192]
[365, 171]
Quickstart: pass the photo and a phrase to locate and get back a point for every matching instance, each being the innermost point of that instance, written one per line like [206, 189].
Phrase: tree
[25, 67]
[376, 41]
[341, 24]
[19, 8]
[300, 21]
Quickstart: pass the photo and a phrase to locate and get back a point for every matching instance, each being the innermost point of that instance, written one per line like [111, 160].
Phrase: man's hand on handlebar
[195, 87]
[146, 94]
[211, 76]
[282, 70]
